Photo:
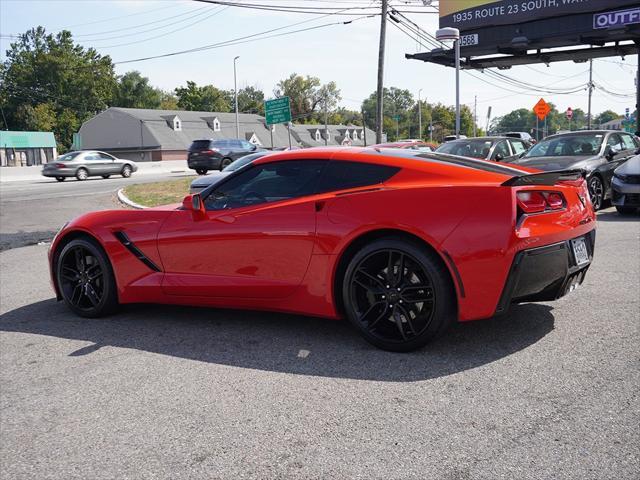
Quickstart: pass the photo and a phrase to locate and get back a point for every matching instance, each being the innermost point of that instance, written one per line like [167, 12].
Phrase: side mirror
[194, 203]
[498, 157]
[610, 152]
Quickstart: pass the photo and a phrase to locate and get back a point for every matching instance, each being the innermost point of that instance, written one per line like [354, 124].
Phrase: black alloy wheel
[61, 179]
[225, 163]
[85, 279]
[398, 295]
[596, 192]
[126, 171]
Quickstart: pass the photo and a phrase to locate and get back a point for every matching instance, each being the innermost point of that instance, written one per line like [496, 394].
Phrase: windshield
[67, 157]
[467, 148]
[579, 145]
[242, 161]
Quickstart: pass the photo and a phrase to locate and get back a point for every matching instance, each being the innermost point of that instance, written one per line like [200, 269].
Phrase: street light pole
[419, 116]
[235, 90]
[449, 33]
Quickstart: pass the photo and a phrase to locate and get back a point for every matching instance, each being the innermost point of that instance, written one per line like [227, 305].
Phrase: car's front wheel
[61, 179]
[82, 174]
[126, 171]
[201, 171]
[225, 163]
[398, 294]
[85, 279]
[596, 192]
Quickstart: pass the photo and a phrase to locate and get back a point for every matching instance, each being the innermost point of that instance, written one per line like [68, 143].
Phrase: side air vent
[129, 245]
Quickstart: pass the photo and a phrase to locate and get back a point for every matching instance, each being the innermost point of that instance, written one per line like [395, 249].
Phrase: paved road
[548, 391]
[33, 211]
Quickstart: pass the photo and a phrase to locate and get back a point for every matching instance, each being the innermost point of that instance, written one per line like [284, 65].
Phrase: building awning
[9, 139]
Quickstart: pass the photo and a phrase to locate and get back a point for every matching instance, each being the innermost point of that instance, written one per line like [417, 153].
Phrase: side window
[627, 141]
[268, 182]
[518, 147]
[104, 156]
[340, 175]
[501, 149]
[615, 141]
[92, 157]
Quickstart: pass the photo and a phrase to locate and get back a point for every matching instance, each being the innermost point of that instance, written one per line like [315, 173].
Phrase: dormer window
[216, 124]
[177, 124]
[318, 137]
[355, 135]
[346, 134]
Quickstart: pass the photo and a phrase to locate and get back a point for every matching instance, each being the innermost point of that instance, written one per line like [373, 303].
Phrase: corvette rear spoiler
[545, 178]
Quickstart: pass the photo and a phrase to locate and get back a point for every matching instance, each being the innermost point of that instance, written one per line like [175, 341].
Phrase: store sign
[616, 19]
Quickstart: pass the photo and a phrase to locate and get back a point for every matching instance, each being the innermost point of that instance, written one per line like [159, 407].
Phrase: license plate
[580, 251]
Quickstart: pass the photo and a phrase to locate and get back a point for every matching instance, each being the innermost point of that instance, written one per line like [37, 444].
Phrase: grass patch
[159, 193]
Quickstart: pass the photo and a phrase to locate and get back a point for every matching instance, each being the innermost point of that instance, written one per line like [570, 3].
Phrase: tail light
[535, 201]
[59, 165]
[210, 151]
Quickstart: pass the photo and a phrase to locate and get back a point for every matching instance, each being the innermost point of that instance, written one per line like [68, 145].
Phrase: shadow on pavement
[274, 342]
[614, 216]
[21, 239]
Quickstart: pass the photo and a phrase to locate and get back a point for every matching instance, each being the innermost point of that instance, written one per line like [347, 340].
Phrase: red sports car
[401, 245]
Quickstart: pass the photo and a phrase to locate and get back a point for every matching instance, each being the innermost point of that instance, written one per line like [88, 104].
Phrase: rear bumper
[59, 172]
[544, 273]
[208, 163]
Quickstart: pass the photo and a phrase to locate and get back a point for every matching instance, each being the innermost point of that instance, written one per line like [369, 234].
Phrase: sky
[346, 54]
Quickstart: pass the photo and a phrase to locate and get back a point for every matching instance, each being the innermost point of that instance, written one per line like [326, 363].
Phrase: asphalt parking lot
[550, 390]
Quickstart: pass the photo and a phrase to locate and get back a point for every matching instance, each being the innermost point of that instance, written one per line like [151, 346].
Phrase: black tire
[82, 174]
[626, 210]
[596, 192]
[402, 310]
[105, 176]
[61, 179]
[201, 171]
[126, 171]
[225, 163]
[85, 279]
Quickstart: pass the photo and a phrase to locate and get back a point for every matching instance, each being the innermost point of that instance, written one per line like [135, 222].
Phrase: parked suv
[205, 155]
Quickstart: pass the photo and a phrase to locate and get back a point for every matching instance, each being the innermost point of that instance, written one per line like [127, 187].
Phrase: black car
[598, 152]
[205, 155]
[499, 149]
[200, 183]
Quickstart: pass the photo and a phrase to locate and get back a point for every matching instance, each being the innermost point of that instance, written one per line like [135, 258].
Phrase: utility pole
[431, 127]
[590, 90]
[379, 91]
[326, 127]
[475, 106]
[638, 92]
[235, 90]
[364, 128]
[419, 116]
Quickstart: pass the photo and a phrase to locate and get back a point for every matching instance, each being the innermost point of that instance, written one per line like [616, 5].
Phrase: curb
[124, 199]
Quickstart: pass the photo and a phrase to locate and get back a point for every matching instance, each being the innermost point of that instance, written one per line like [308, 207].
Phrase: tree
[168, 101]
[41, 118]
[133, 91]
[204, 99]
[251, 100]
[42, 68]
[605, 117]
[307, 96]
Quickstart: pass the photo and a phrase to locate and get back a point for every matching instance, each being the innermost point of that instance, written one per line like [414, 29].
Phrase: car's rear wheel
[225, 163]
[85, 279]
[626, 210]
[105, 176]
[61, 179]
[398, 294]
[201, 171]
[82, 174]
[126, 171]
[596, 192]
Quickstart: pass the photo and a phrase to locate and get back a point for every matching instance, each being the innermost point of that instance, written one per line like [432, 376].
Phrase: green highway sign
[277, 110]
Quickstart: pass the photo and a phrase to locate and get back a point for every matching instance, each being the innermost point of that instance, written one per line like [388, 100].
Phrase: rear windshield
[200, 145]
[68, 156]
[467, 148]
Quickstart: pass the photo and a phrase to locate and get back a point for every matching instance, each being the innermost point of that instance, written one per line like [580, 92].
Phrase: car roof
[465, 167]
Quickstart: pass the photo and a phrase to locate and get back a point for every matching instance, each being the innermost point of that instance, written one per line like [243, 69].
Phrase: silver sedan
[85, 164]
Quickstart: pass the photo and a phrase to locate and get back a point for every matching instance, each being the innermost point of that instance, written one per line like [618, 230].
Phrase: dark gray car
[205, 155]
[85, 164]
[199, 184]
[598, 152]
